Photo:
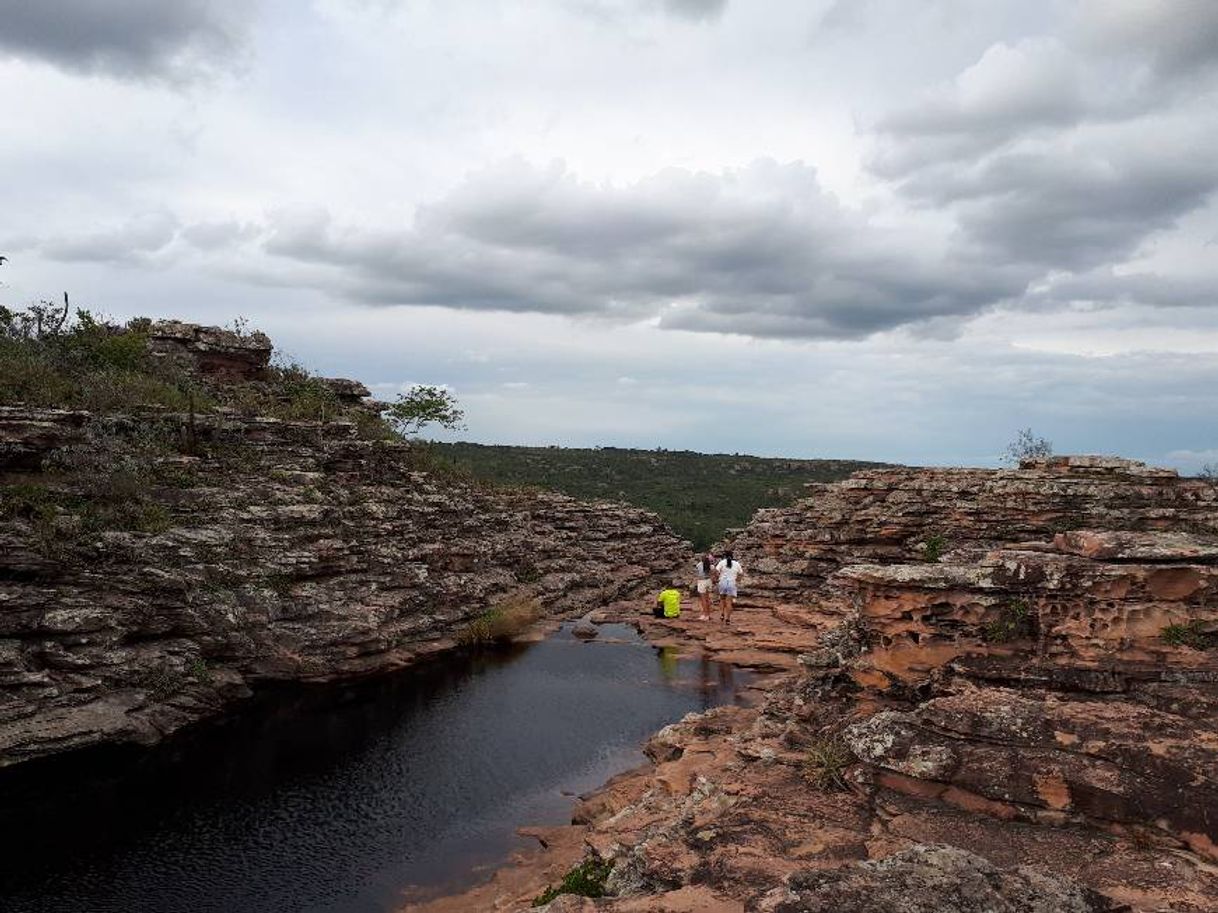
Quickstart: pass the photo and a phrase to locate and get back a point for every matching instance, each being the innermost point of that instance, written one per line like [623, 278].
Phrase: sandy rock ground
[727, 818]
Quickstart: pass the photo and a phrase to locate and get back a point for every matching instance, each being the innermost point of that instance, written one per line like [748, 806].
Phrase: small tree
[1026, 446]
[1209, 472]
[423, 405]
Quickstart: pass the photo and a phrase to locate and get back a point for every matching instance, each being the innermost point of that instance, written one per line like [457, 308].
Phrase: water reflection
[337, 798]
[669, 668]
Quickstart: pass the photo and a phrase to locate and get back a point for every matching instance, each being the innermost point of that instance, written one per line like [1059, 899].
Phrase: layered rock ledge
[989, 690]
[287, 550]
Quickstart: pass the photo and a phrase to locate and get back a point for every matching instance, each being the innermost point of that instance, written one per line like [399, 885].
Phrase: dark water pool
[343, 797]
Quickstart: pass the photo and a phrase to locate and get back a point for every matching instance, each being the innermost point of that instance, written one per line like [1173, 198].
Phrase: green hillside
[700, 494]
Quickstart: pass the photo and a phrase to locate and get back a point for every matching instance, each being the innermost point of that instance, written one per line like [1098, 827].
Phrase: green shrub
[50, 357]
[27, 501]
[1026, 446]
[826, 763]
[371, 427]
[1014, 622]
[162, 682]
[302, 397]
[153, 518]
[500, 623]
[105, 482]
[104, 345]
[114, 390]
[1191, 634]
[30, 377]
[585, 880]
[48, 511]
[175, 474]
[421, 406]
[934, 547]
[528, 572]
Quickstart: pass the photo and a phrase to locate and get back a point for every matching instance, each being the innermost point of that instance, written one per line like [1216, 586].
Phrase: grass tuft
[826, 763]
[1014, 622]
[501, 623]
[934, 547]
[585, 880]
[1191, 634]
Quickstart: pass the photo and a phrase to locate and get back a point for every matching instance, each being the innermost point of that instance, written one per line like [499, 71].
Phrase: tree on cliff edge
[1026, 446]
[423, 405]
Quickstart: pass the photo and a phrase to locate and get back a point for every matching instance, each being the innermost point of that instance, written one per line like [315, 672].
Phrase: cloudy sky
[865, 228]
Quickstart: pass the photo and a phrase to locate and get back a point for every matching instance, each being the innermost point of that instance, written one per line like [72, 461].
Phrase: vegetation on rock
[149, 388]
[1027, 446]
[934, 547]
[106, 481]
[1191, 634]
[1014, 622]
[501, 623]
[424, 405]
[585, 880]
[826, 763]
[52, 356]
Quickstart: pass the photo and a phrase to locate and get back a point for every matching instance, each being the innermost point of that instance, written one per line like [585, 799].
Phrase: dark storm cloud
[619, 11]
[1177, 39]
[761, 251]
[141, 236]
[125, 38]
[1070, 211]
[1120, 59]
[695, 9]
[1106, 288]
[1067, 153]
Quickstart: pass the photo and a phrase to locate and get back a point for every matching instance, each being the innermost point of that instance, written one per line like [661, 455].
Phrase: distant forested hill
[701, 495]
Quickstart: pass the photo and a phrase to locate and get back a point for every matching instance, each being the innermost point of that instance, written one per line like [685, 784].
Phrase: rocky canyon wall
[1036, 644]
[142, 589]
[987, 690]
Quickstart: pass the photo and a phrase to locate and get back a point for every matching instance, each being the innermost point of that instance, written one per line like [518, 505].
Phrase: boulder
[935, 879]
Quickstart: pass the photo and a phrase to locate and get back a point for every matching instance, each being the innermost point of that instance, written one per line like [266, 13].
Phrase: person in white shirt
[727, 572]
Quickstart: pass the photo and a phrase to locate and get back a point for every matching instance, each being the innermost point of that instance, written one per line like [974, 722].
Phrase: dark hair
[728, 557]
[706, 564]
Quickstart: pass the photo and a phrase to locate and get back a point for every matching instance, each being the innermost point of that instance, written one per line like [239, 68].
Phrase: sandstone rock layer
[286, 551]
[992, 690]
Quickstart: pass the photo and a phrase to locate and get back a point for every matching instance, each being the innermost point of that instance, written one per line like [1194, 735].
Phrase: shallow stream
[344, 798]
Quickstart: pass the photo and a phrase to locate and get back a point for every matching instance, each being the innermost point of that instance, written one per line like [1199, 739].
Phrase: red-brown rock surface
[892, 516]
[1028, 723]
[221, 354]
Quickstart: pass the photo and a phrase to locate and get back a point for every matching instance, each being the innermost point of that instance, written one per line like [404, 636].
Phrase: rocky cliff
[156, 566]
[930, 520]
[993, 690]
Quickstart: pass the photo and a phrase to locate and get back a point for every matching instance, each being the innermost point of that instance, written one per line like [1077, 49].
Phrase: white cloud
[1004, 225]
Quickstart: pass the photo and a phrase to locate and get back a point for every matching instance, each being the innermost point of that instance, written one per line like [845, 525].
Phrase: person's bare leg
[727, 609]
[704, 596]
